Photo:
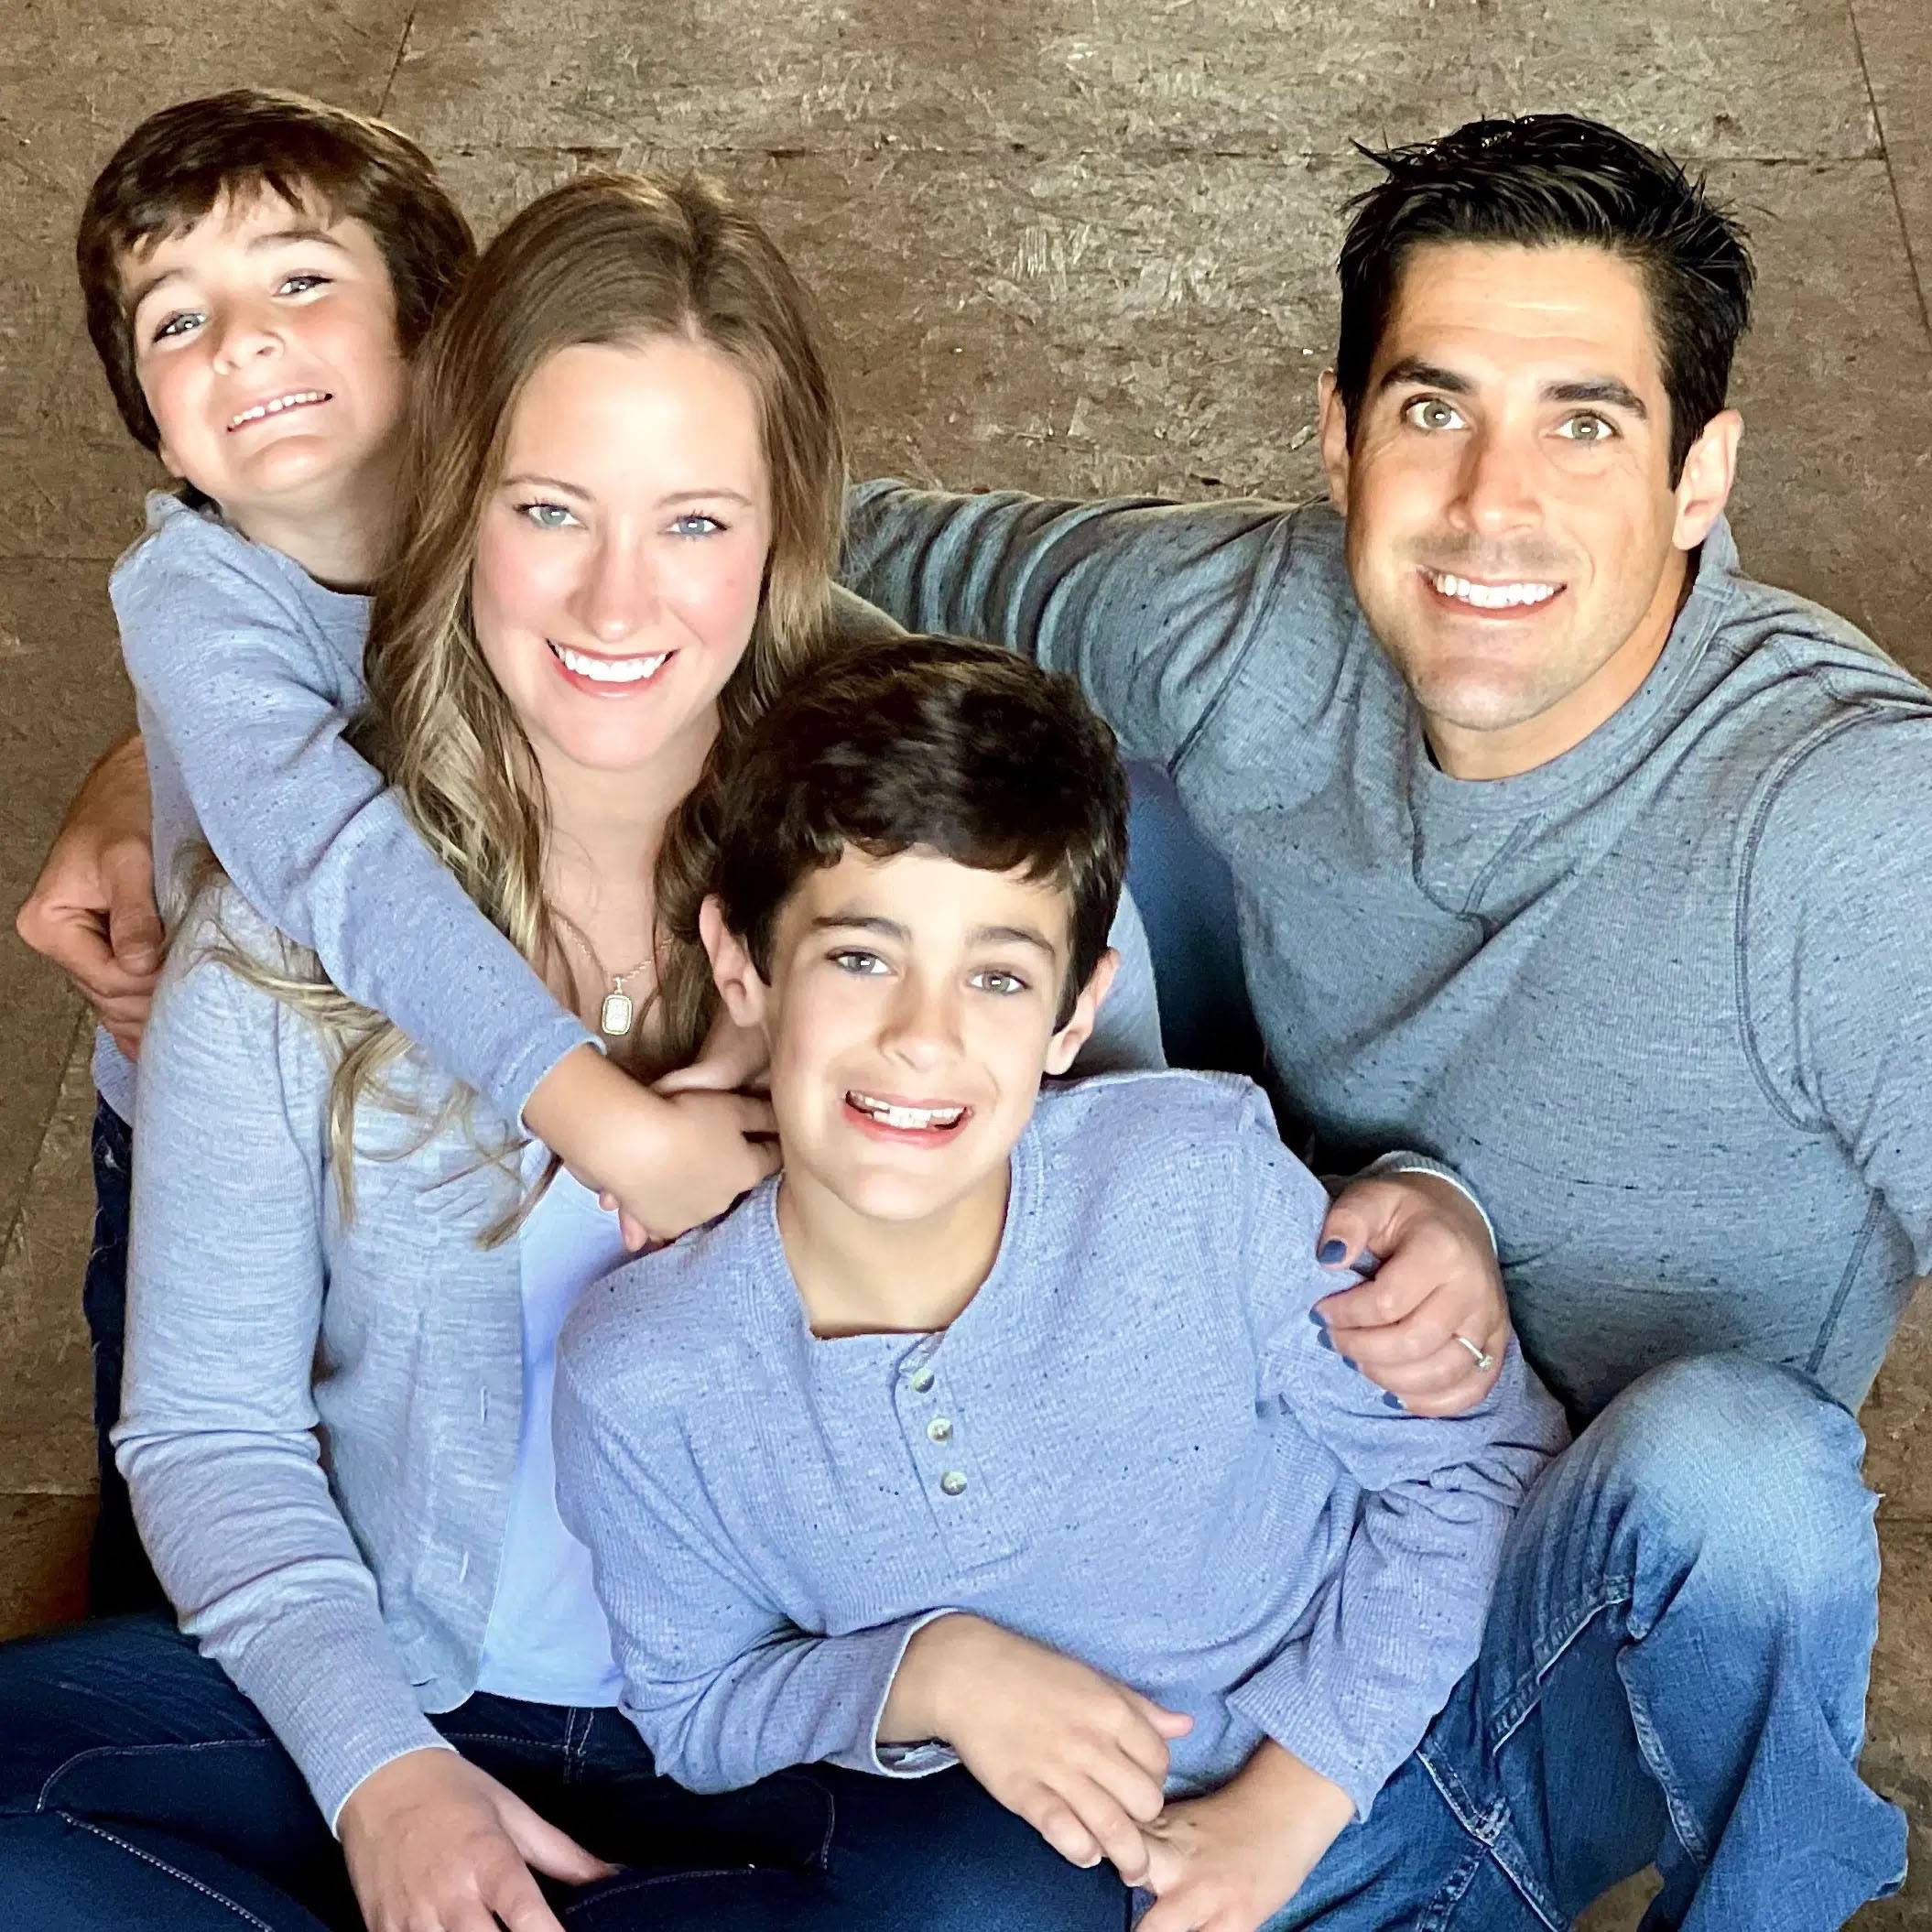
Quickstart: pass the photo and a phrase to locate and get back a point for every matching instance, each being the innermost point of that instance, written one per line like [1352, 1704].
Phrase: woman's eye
[1587, 427]
[695, 522]
[850, 960]
[995, 981]
[545, 515]
[177, 324]
[1430, 412]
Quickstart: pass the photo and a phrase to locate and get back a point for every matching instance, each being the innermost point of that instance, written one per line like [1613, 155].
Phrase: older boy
[999, 1431]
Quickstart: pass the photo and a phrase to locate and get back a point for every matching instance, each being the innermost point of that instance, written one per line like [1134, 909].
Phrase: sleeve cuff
[434, 1742]
[908, 1761]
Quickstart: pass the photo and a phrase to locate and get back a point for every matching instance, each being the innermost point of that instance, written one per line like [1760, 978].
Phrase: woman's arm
[217, 1433]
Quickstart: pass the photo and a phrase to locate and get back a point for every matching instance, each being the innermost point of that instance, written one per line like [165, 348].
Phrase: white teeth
[1492, 596]
[278, 404]
[889, 1115]
[609, 670]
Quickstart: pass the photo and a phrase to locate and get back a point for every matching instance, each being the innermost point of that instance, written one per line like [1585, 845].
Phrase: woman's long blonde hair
[608, 260]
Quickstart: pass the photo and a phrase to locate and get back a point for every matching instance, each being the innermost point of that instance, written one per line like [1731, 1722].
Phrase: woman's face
[619, 558]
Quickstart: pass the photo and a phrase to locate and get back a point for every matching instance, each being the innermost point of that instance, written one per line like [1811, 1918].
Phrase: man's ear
[738, 981]
[1334, 440]
[1711, 467]
[1065, 1045]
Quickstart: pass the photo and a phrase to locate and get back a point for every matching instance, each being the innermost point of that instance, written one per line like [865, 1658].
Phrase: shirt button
[939, 1428]
[952, 1482]
[922, 1382]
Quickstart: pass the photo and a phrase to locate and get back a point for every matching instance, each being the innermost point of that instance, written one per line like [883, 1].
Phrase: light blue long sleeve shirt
[1132, 1445]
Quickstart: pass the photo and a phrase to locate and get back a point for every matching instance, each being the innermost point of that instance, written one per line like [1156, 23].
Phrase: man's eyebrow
[1428, 375]
[1605, 389]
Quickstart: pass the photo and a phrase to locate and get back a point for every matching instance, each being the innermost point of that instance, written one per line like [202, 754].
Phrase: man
[1565, 853]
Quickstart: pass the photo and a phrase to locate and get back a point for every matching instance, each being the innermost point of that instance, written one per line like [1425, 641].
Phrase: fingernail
[1347, 1364]
[1392, 1402]
[1330, 1252]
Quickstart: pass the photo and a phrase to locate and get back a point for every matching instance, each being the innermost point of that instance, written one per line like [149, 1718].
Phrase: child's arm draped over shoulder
[1401, 1618]
[250, 701]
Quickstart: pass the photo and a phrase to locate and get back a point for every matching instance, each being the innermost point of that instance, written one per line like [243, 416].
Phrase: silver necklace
[618, 1014]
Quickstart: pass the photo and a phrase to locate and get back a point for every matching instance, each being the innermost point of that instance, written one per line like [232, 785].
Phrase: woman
[625, 498]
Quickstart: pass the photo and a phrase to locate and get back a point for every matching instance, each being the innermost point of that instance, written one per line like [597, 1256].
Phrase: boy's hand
[435, 1845]
[1081, 1758]
[1228, 1861]
[91, 911]
[1439, 1279]
[669, 1162]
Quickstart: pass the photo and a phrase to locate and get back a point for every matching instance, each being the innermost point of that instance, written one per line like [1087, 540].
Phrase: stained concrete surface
[1072, 244]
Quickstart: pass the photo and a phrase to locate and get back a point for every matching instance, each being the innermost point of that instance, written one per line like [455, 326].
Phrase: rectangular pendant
[615, 1015]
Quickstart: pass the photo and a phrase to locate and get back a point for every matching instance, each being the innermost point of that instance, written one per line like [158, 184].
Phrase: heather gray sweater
[1666, 1001]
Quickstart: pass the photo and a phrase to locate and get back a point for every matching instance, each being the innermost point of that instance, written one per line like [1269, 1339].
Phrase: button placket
[923, 1380]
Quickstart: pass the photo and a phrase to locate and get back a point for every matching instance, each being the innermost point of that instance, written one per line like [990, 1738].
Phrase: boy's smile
[914, 1005]
[266, 343]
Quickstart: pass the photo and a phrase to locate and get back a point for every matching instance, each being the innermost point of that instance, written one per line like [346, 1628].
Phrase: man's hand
[91, 911]
[436, 1845]
[669, 1162]
[1438, 1279]
[1082, 1759]
[1229, 1862]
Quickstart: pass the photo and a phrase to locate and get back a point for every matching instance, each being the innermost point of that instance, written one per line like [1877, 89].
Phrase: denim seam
[1525, 1697]
[1487, 1833]
[41, 1802]
[1683, 1821]
[159, 1864]
[1454, 1891]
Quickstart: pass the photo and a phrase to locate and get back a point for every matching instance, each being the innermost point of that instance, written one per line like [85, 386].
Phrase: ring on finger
[1480, 1356]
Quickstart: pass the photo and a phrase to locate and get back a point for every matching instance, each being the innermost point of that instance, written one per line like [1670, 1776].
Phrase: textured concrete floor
[1072, 244]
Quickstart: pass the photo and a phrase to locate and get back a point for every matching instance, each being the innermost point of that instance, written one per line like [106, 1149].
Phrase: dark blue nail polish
[1392, 1402]
[1330, 1252]
[1348, 1364]
[1324, 1338]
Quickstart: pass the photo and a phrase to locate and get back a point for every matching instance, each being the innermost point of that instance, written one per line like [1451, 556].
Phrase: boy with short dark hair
[1003, 1431]
[258, 270]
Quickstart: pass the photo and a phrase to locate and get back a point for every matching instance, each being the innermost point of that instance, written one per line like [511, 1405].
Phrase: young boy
[1002, 1428]
[258, 269]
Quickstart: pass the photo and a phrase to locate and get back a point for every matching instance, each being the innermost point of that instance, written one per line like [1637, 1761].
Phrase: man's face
[912, 1009]
[266, 343]
[1514, 534]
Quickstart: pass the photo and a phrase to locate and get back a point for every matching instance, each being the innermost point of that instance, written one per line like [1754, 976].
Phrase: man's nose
[1498, 490]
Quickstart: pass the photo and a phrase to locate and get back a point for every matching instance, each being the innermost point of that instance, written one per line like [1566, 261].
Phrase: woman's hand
[1229, 1862]
[668, 1162]
[436, 1845]
[1081, 1758]
[1438, 1279]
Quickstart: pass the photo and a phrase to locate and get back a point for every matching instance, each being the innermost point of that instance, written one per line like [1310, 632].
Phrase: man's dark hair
[180, 163]
[959, 748]
[1541, 180]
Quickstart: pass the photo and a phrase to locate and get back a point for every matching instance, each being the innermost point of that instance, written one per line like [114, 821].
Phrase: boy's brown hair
[178, 164]
[958, 748]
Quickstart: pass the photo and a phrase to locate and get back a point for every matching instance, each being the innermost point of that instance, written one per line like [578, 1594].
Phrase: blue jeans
[1674, 1671]
[139, 1788]
[119, 1578]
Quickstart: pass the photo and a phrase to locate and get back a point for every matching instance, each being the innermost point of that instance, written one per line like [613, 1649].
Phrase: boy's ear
[1065, 1045]
[736, 978]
